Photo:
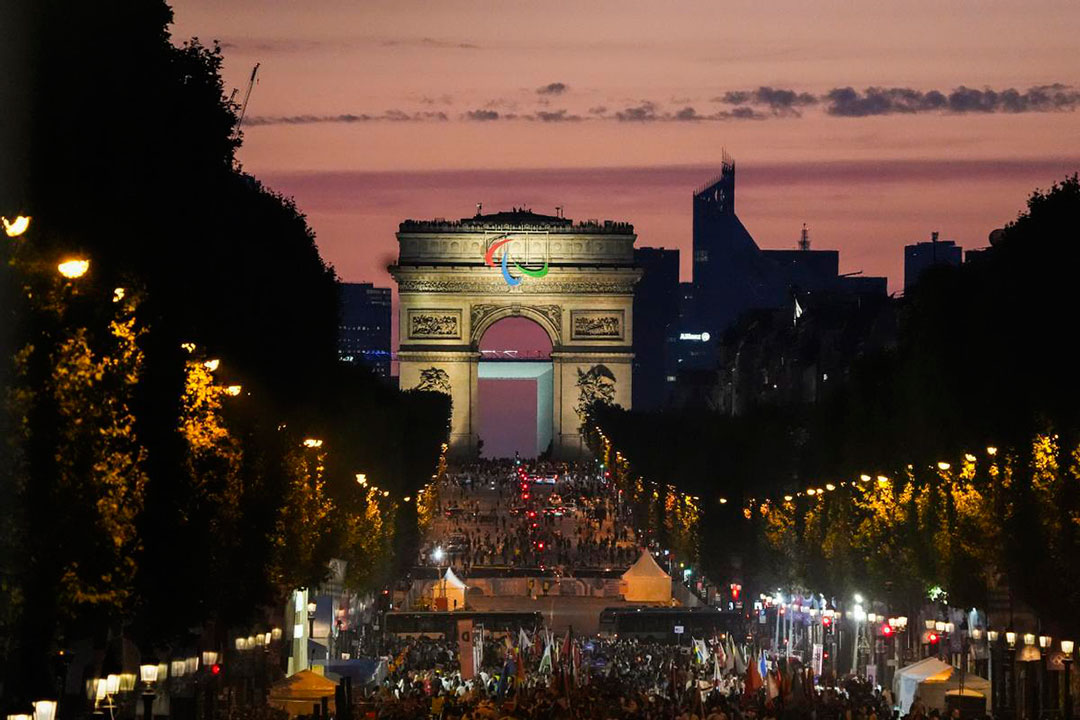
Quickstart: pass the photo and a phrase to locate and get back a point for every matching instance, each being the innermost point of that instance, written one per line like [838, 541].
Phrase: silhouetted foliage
[137, 496]
[983, 358]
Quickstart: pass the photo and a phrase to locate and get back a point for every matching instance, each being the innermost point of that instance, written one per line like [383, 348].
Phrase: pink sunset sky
[902, 117]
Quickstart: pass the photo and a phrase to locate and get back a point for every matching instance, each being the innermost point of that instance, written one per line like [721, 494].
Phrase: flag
[545, 661]
[753, 679]
[729, 655]
[763, 667]
[798, 311]
[523, 640]
[701, 653]
[740, 659]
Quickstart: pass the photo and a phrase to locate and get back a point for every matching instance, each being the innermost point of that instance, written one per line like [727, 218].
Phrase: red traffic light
[933, 638]
[826, 621]
[886, 630]
[215, 669]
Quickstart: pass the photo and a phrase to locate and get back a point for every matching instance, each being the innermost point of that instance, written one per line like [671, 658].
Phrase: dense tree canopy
[983, 360]
[155, 477]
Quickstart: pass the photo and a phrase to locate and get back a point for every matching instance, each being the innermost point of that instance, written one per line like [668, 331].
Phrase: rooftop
[516, 218]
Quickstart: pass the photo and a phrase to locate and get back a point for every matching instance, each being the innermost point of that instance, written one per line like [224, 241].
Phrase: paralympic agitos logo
[523, 271]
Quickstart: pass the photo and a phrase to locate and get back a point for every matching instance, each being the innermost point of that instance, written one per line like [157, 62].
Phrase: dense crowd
[609, 680]
[500, 513]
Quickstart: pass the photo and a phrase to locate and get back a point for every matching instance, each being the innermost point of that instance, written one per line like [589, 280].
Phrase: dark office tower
[730, 274]
[656, 314]
[364, 331]
[918, 258]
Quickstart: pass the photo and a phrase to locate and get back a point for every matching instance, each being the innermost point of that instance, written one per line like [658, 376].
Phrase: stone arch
[574, 280]
[548, 317]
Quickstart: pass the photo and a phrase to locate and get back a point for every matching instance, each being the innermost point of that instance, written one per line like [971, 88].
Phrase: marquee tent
[644, 581]
[452, 589]
[931, 680]
[299, 693]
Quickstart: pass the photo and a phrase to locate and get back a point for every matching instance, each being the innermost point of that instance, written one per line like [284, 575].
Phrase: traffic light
[932, 638]
[215, 669]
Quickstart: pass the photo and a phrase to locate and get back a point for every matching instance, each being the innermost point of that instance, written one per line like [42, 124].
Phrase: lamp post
[1067, 651]
[1010, 673]
[1044, 647]
[991, 648]
[311, 607]
[148, 673]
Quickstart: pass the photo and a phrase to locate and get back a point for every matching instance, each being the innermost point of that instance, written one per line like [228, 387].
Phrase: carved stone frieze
[596, 324]
[443, 324]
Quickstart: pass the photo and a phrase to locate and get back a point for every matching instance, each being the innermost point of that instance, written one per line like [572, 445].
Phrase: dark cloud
[779, 101]
[556, 116]
[347, 118]
[760, 104]
[481, 115]
[848, 102]
[744, 113]
[555, 88]
[644, 112]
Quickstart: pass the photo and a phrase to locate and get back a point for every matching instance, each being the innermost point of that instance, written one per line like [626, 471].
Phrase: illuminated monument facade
[575, 280]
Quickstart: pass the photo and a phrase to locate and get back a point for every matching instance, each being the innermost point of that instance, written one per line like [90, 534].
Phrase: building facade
[920, 257]
[656, 312]
[733, 276]
[364, 330]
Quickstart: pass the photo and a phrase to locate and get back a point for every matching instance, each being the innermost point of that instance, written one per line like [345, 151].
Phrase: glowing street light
[943, 465]
[438, 554]
[212, 365]
[44, 710]
[361, 478]
[312, 443]
[16, 227]
[74, 268]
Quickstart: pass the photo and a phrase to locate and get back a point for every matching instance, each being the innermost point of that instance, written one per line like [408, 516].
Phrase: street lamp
[74, 268]
[1067, 651]
[15, 228]
[45, 710]
[148, 673]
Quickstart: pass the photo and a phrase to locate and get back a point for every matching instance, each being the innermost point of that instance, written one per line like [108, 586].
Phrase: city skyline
[369, 115]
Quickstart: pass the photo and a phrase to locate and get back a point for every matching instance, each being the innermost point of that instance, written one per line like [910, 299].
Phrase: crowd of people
[610, 679]
[545, 515]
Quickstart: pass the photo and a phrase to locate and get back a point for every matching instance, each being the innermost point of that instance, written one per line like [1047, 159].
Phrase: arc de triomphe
[576, 281]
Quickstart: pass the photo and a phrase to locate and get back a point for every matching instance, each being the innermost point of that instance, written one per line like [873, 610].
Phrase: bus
[672, 624]
[437, 624]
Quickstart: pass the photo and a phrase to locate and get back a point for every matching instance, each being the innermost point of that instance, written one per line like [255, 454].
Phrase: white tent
[450, 587]
[644, 581]
[931, 680]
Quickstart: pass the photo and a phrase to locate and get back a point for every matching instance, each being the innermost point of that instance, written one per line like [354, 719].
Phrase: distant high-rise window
[364, 328]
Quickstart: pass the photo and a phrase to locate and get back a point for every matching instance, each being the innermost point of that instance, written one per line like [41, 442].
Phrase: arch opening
[515, 388]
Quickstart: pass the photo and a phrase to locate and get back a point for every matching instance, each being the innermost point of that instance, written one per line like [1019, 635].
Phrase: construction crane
[247, 96]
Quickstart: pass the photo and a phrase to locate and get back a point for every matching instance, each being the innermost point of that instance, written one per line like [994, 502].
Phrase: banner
[818, 658]
[465, 649]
